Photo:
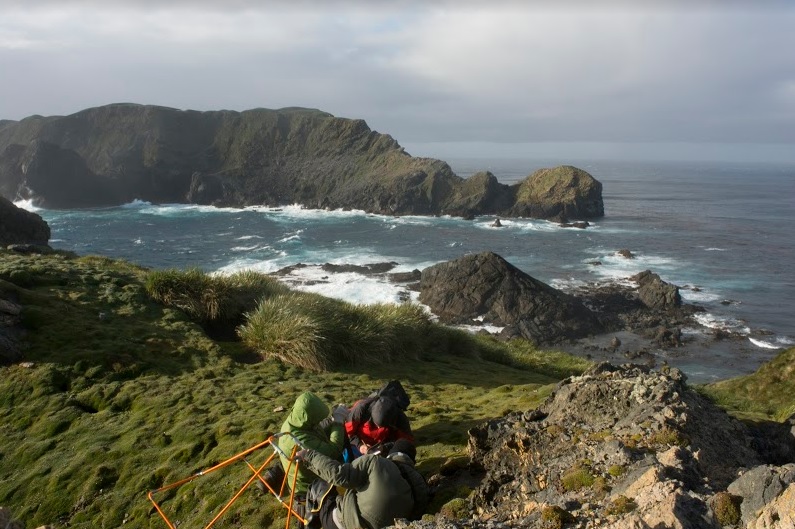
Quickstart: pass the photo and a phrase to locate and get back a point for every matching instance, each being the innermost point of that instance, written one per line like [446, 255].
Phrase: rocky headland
[114, 154]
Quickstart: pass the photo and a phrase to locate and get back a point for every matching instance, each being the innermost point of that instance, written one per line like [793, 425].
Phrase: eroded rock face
[19, 226]
[486, 287]
[613, 434]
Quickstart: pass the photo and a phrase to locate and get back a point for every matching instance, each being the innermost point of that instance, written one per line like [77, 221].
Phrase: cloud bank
[435, 72]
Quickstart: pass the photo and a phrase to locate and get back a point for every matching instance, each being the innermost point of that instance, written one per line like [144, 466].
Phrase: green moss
[577, 478]
[616, 470]
[621, 505]
[554, 517]
[668, 436]
[726, 508]
[455, 509]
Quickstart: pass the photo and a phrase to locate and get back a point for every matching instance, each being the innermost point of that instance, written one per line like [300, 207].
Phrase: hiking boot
[273, 476]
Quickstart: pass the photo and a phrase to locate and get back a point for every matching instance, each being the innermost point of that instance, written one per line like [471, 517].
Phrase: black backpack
[394, 389]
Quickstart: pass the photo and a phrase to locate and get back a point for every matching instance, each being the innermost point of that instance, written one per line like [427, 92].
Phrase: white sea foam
[493, 329]
[248, 237]
[763, 344]
[714, 249]
[297, 211]
[27, 204]
[138, 241]
[246, 248]
[617, 267]
[136, 204]
[713, 321]
[702, 296]
[348, 286]
[517, 224]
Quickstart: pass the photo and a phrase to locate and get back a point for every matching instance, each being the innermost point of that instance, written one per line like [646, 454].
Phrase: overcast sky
[483, 73]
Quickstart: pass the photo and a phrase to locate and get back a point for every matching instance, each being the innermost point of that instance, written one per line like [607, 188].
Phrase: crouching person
[378, 489]
[309, 422]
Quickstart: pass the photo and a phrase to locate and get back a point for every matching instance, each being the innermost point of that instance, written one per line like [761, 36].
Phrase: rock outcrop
[19, 226]
[625, 447]
[487, 288]
[117, 153]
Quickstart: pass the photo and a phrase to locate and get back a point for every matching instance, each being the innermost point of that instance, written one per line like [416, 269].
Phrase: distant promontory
[114, 154]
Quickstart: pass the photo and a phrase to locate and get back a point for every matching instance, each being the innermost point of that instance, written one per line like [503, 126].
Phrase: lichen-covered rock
[779, 513]
[761, 485]
[636, 433]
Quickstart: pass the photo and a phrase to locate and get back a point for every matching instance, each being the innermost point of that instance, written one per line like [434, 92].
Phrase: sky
[464, 77]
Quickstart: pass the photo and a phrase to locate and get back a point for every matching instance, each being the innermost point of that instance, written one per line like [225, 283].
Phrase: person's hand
[302, 455]
[339, 413]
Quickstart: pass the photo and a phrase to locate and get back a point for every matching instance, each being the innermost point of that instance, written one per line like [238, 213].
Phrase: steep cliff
[116, 153]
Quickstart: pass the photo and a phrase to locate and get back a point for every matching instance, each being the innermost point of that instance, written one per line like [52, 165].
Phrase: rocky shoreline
[641, 320]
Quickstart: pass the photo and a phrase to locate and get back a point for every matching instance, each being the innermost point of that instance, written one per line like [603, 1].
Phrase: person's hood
[308, 411]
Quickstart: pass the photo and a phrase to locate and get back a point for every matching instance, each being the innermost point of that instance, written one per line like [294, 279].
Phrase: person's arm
[316, 440]
[348, 475]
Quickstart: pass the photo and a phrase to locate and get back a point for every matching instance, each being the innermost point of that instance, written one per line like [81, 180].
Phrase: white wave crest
[28, 205]
[136, 204]
[248, 237]
[713, 321]
[763, 344]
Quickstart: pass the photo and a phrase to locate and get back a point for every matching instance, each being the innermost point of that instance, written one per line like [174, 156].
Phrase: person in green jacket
[309, 423]
[378, 489]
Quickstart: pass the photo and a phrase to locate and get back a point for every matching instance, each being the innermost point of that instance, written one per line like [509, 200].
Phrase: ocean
[721, 231]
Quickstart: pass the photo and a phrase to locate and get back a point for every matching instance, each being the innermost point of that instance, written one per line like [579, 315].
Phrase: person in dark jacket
[378, 489]
[375, 421]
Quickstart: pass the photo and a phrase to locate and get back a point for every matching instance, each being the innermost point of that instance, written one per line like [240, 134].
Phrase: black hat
[383, 412]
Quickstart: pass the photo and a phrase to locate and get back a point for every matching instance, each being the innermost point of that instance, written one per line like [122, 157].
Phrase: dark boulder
[19, 226]
[486, 287]
[656, 293]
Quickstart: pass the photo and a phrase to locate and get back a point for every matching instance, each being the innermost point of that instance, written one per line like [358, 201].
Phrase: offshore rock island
[114, 154]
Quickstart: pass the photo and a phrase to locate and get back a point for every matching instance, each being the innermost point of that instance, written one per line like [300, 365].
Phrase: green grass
[768, 394]
[127, 394]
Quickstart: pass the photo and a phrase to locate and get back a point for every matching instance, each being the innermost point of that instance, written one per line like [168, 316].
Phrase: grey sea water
[719, 230]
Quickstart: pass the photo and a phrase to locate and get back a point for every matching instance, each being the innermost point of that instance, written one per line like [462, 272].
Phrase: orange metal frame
[272, 442]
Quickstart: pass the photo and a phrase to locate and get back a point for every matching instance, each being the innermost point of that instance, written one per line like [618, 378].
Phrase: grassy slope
[767, 394]
[119, 404]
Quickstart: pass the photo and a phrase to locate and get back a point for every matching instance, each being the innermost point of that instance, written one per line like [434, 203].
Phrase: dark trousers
[326, 510]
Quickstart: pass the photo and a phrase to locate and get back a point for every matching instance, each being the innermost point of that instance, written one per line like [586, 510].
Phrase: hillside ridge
[116, 153]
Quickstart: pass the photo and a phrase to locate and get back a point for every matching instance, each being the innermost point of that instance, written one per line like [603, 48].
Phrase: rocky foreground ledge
[626, 447]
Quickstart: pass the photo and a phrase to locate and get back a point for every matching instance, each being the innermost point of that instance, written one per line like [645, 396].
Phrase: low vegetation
[122, 390]
[768, 394]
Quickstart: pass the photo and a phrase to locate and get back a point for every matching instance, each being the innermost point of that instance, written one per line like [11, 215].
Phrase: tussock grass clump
[208, 298]
[318, 333]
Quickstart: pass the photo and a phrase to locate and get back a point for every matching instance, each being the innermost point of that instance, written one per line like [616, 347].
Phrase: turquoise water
[723, 228]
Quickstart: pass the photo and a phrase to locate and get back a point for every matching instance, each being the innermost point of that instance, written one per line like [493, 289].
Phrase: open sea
[721, 231]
